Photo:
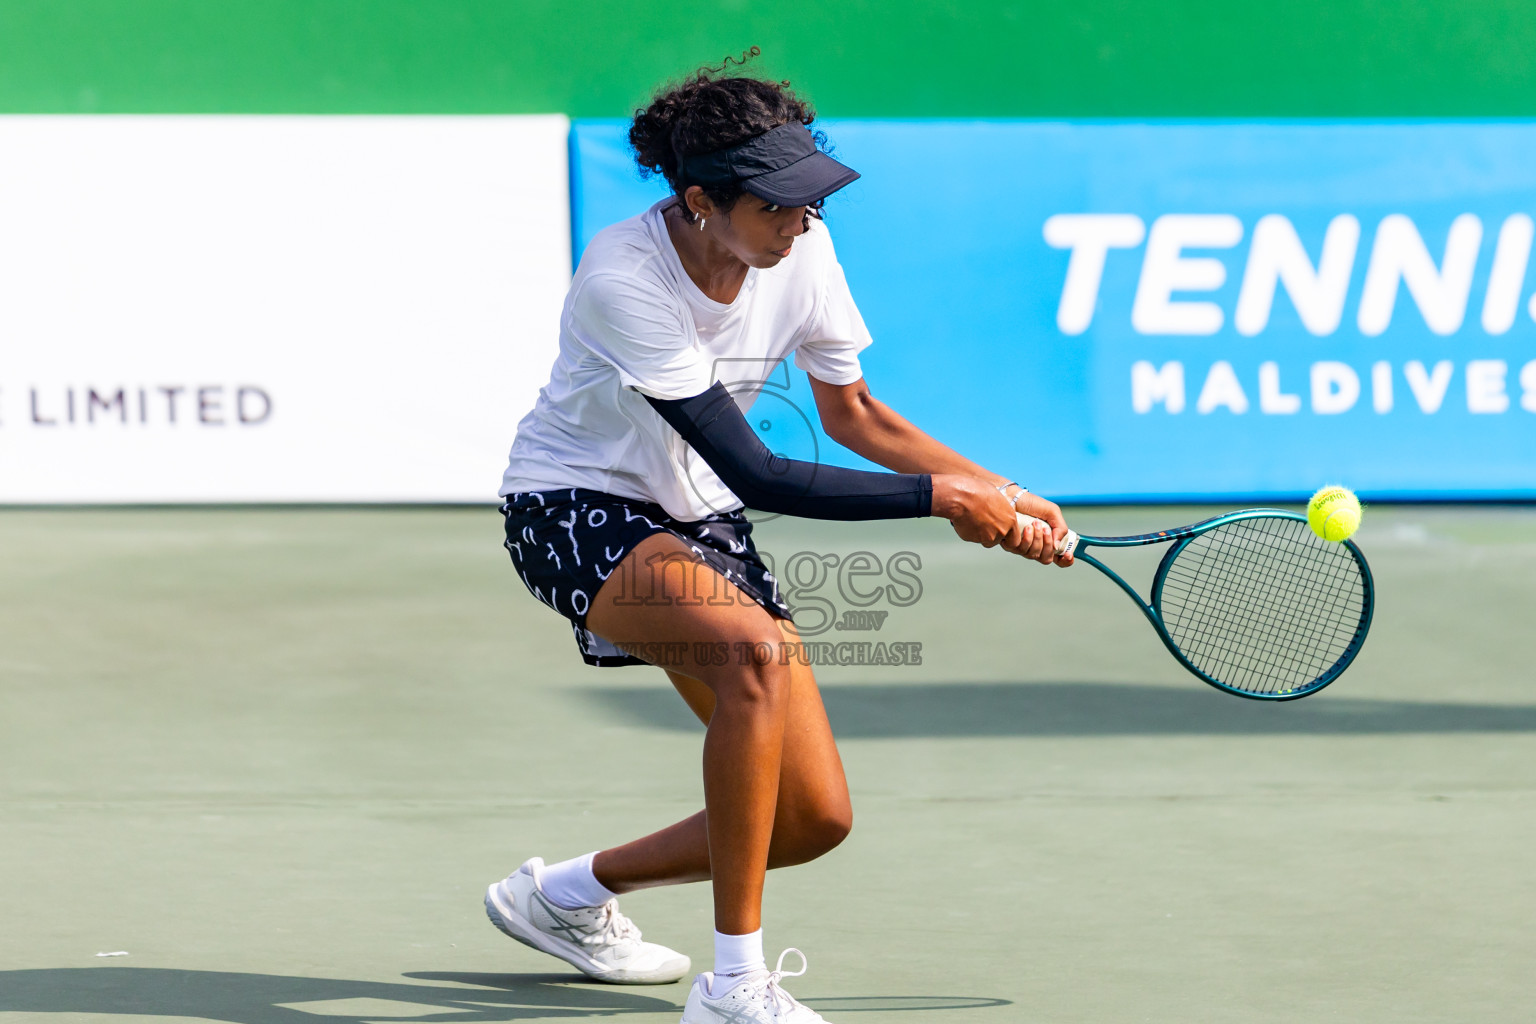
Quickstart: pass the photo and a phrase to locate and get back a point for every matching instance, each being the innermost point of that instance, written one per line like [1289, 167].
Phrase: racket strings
[1270, 638]
[1263, 605]
[1284, 636]
[1277, 632]
[1254, 644]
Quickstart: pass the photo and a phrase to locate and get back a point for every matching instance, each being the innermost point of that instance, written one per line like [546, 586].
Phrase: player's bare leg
[812, 815]
[748, 704]
[774, 789]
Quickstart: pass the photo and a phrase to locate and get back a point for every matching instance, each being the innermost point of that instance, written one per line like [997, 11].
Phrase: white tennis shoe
[598, 941]
[754, 998]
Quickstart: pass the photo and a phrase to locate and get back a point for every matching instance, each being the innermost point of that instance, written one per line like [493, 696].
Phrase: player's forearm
[714, 427]
[883, 436]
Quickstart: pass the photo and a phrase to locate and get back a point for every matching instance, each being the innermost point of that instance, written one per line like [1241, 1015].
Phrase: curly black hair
[714, 108]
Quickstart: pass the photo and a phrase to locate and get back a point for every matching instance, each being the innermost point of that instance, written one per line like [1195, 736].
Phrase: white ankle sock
[737, 954]
[572, 885]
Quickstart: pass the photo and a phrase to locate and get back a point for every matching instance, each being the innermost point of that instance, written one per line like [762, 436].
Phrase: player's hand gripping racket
[1252, 602]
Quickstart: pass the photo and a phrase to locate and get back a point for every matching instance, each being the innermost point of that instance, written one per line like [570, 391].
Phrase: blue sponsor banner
[1172, 311]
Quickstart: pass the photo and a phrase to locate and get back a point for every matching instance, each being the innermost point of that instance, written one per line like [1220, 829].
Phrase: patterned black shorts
[565, 544]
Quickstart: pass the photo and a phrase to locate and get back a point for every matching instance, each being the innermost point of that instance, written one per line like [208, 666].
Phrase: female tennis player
[624, 493]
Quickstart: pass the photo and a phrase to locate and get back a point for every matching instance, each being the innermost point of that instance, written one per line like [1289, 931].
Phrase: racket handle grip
[1068, 543]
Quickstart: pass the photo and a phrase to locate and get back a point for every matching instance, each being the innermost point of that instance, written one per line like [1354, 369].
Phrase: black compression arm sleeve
[713, 426]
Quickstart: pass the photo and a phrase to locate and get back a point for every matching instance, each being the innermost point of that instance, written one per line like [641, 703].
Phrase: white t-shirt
[635, 322]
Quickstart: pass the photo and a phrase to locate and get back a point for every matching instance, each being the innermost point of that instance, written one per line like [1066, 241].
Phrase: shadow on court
[1091, 709]
[276, 999]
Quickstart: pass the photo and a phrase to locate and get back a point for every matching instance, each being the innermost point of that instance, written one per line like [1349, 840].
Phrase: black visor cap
[782, 166]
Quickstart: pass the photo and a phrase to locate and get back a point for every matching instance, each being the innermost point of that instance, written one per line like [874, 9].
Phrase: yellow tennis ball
[1334, 513]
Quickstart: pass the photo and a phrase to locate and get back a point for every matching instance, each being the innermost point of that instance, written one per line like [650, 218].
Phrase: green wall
[855, 58]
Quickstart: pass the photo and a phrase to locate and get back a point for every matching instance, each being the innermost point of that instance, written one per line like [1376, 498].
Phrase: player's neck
[714, 268]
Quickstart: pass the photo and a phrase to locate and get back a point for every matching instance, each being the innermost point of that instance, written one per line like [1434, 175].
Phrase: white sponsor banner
[274, 309]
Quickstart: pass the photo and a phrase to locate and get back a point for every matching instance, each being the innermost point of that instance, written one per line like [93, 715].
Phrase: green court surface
[275, 756]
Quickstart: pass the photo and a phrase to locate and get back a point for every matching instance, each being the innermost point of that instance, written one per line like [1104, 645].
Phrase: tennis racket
[1252, 602]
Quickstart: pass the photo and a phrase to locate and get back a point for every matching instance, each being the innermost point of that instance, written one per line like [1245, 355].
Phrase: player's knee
[813, 835]
[830, 829]
[823, 826]
[762, 688]
[756, 679]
